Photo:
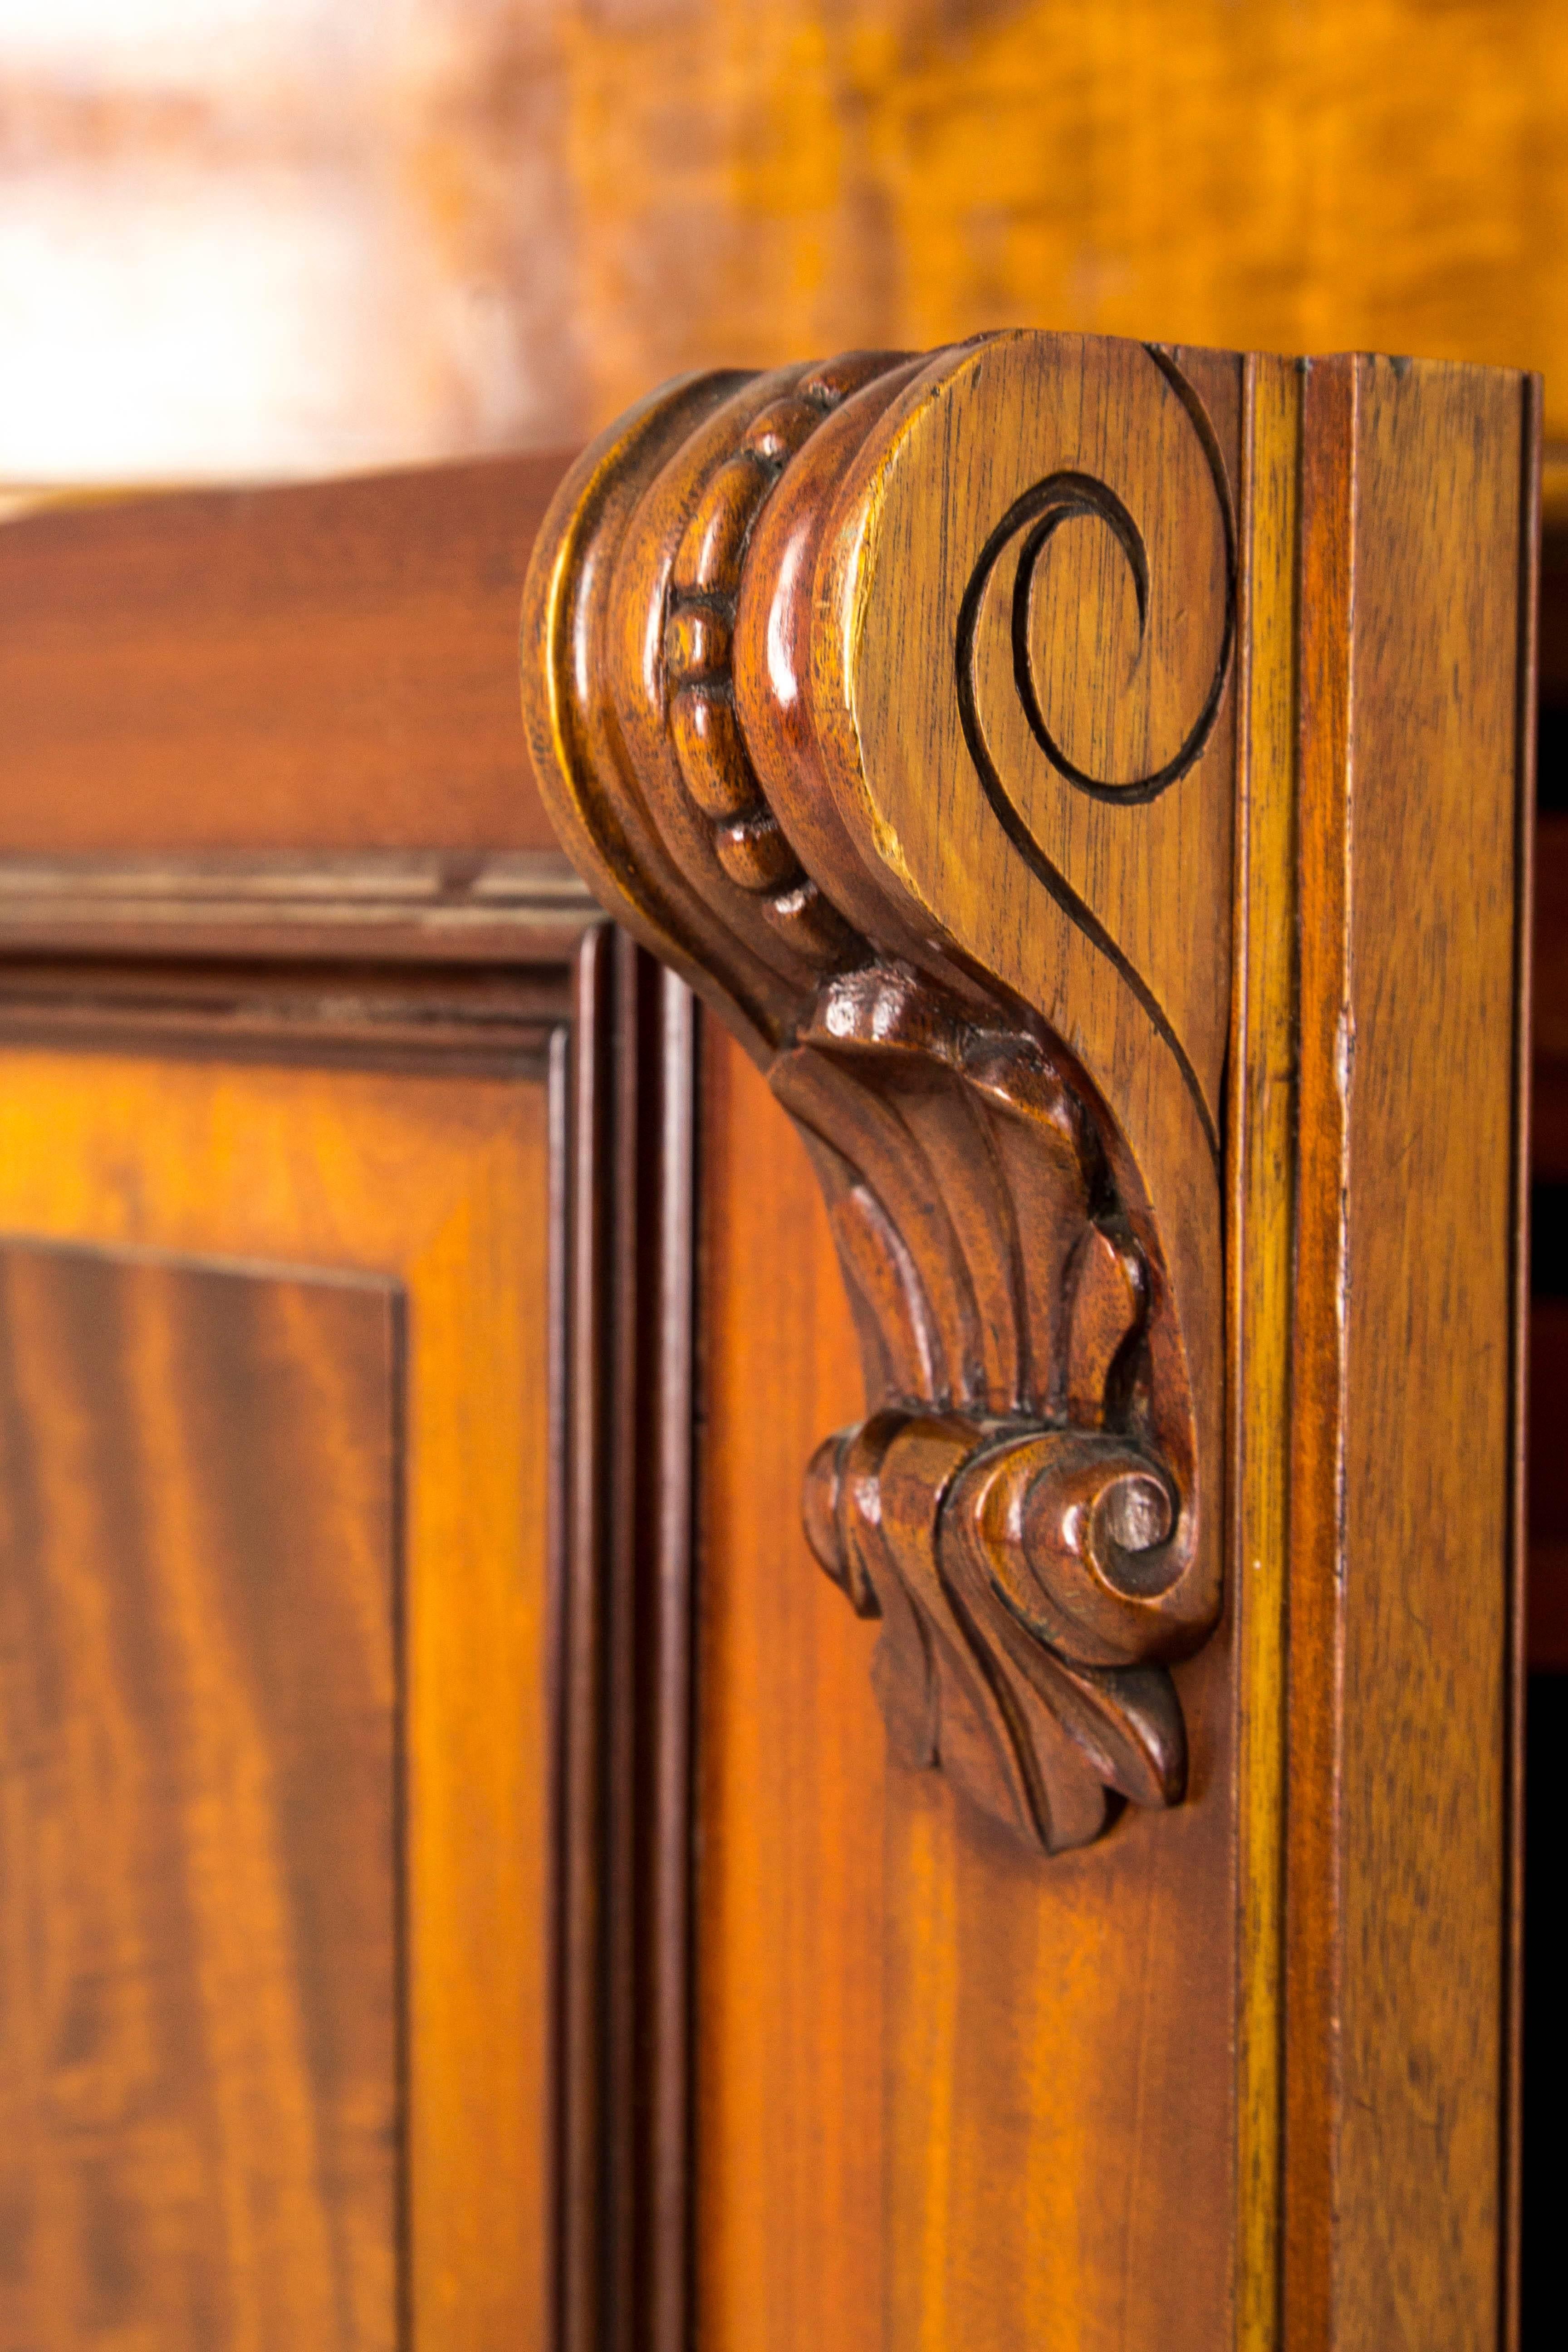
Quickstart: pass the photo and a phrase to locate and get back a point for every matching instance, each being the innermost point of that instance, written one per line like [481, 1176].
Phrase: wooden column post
[1091, 779]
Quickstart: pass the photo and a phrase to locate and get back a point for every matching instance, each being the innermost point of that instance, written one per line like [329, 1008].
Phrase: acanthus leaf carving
[1020, 1506]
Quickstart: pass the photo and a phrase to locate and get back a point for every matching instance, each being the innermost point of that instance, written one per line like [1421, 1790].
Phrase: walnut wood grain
[201, 2109]
[947, 2094]
[441, 1185]
[1406, 1536]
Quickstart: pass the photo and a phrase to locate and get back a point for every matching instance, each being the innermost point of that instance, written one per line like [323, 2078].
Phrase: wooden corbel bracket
[891, 702]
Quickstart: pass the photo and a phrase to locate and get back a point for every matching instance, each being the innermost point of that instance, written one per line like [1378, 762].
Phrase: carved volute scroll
[891, 702]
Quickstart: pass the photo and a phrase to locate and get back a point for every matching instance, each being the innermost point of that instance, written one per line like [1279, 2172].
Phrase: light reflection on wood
[261, 236]
[293, 237]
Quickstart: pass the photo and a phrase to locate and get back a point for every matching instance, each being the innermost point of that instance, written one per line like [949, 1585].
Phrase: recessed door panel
[200, 2105]
[275, 1749]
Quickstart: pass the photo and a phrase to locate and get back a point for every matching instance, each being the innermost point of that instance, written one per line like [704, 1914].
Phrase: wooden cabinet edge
[776, 631]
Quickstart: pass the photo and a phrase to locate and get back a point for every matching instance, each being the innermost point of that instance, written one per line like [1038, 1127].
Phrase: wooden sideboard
[470, 1879]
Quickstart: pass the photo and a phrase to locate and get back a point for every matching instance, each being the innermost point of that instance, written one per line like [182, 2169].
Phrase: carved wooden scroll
[892, 700]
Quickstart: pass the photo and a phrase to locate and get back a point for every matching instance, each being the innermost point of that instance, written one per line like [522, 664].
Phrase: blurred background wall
[260, 237]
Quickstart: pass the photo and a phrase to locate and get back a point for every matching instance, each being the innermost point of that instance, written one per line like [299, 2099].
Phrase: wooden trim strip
[1319, 1369]
[665, 2289]
[443, 1018]
[1530, 479]
[525, 906]
[1403, 1637]
[1260, 1238]
[626, 1096]
[582, 1228]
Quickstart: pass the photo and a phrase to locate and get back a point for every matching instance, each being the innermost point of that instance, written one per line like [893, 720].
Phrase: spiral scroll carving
[1035, 518]
[1019, 1507]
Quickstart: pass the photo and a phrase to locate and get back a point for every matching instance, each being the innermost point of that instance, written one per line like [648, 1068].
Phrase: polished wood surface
[441, 1185]
[307, 670]
[1404, 1664]
[200, 2109]
[791, 1903]
[814, 702]
[944, 2087]
[1261, 1149]
[909, 2135]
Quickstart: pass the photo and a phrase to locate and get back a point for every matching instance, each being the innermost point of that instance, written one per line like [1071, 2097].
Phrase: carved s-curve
[1079, 911]
[1063, 497]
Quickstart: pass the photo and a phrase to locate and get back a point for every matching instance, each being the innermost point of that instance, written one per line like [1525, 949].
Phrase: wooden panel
[1060, 2070]
[1429, 1658]
[1414, 864]
[312, 668]
[200, 2109]
[945, 2093]
[442, 1184]
[792, 1911]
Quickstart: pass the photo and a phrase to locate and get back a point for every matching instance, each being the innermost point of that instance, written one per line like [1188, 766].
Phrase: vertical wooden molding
[1260, 1239]
[1418, 519]
[1326, 1047]
[580, 1064]
[1524, 923]
[665, 1637]
[623, 1080]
